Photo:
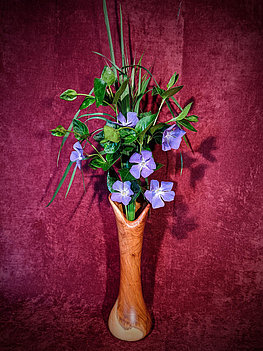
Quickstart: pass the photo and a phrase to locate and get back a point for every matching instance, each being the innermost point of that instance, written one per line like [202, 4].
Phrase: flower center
[80, 156]
[124, 193]
[168, 135]
[159, 192]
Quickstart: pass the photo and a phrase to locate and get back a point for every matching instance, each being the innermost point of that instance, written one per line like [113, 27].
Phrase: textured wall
[202, 258]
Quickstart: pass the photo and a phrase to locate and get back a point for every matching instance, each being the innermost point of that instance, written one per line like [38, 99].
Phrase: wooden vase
[129, 318]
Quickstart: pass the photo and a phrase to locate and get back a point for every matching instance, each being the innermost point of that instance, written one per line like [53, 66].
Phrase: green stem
[103, 159]
[130, 211]
[109, 105]
[110, 91]
[159, 110]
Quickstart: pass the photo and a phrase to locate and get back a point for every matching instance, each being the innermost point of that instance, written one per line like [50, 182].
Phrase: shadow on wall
[180, 220]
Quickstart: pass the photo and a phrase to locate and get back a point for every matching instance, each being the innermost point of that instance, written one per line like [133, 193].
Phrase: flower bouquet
[123, 147]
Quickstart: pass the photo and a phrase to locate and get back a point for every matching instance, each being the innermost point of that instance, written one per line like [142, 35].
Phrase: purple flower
[131, 121]
[123, 192]
[145, 164]
[157, 195]
[172, 138]
[77, 155]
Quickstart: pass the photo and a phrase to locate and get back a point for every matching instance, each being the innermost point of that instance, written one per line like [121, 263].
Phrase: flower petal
[165, 144]
[77, 146]
[118, 185]
[168, 196]
[127, 187]
[132, 119]
[146, 172]
[116, 197]
[135, 171]
[78, 162]
[154, 185]
[135, 158]
[175, 142]
[126, 200]
[146, 155]
[170, 128]
[167, 186]
[151, 164]
[148, 194]
[121, 119]
[74, 156]
[157, 202]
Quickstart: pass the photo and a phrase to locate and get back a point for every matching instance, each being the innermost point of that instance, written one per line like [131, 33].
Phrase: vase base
[116, 329]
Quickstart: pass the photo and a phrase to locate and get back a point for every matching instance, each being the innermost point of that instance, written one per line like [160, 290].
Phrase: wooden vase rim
[118, 208]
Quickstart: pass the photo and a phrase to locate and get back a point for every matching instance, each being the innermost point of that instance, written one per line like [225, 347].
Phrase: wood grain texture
[129, 319]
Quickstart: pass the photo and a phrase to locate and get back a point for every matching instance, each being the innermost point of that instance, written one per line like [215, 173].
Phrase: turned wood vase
[129, 318]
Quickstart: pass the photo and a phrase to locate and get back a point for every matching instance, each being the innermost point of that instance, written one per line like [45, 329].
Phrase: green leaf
[126, 175]
[69, 95]
[135, 187]
[111, 134]
[99, 91]
[170, 92]
[112, 177]
[128, 135]
[176, 103]
[120, 91]
[160, 127]
[110, 147]
[115, 67]
[59, 131]
[80, 130]
[158, 137]
[187, 125]
[192, 118]
[124, 103]
[108, 75]
[88, 101]
[145, 123]
[142, 93]
[61, 182]
[99, 136]
[71, 180]
[97, 162]
[184, 113]
[157, 91]
[111, 159]
[129, 149]
[172, 80]
[158, 166]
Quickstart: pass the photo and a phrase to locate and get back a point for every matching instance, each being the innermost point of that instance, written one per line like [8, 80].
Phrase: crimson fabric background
[202, 254]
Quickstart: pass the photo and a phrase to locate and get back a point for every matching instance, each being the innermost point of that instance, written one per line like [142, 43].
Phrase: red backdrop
[202, 263]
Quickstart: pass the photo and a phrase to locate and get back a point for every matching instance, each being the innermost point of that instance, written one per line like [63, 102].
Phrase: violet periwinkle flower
[123, 192]
[172, 138]
[77, 155]
[145, 164]
[157, 195]
[131, 120]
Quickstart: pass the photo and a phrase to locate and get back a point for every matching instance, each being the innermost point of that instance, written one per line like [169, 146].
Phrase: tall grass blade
[71, 180]
[122, 42]
[109, 35]
[61, 182]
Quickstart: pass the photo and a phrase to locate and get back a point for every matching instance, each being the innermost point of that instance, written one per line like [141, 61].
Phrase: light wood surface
[129, 319]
